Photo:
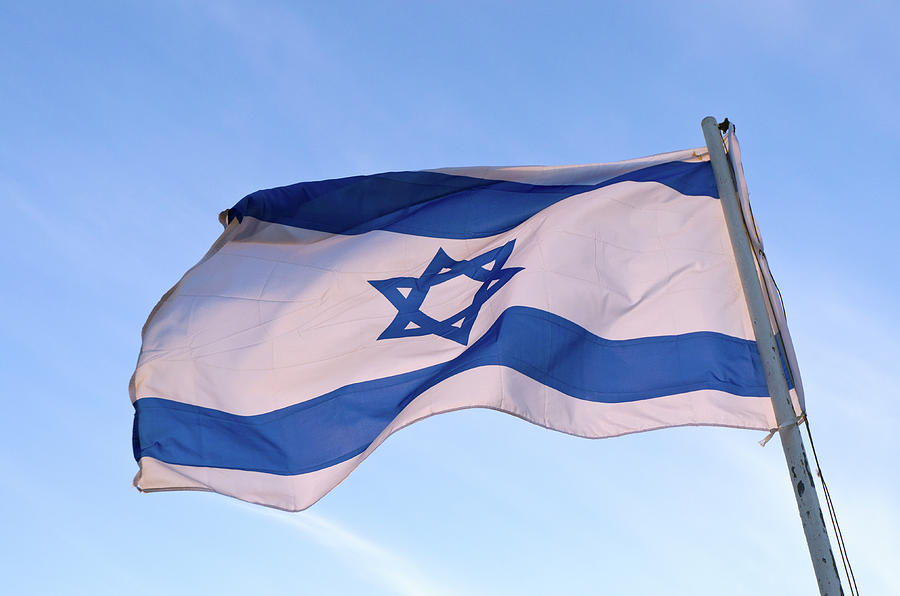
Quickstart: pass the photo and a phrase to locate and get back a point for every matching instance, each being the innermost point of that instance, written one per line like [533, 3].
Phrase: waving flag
[596, 300]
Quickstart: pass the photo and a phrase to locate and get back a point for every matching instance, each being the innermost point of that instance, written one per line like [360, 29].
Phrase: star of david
[408, 293]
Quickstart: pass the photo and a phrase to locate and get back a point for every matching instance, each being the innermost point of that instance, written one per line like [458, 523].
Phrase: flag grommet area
[596, 300]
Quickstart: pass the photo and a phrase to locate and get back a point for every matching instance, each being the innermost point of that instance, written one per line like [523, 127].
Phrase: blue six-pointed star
[411, 321]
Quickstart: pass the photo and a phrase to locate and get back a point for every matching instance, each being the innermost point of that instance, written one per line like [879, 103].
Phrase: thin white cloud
[372, 561]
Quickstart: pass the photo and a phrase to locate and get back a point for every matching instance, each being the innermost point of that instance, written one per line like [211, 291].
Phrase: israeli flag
[596, 300]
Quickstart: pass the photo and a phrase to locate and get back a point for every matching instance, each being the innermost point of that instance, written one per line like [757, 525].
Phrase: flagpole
[789, 431]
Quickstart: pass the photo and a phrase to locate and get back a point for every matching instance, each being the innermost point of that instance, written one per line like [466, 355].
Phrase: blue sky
[126, 127]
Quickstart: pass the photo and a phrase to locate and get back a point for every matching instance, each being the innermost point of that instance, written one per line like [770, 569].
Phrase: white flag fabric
[596, 300]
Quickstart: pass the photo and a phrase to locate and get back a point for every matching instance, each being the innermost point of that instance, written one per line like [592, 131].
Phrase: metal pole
[794, 453]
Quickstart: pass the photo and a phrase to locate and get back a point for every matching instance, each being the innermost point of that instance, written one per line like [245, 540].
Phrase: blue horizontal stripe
[438, 205]
[547, 348]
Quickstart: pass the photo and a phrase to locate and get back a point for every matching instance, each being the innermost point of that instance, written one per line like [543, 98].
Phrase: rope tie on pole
[798, 421]
[842, 547]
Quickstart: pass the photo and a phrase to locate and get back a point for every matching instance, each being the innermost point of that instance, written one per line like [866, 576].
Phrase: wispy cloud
[374, 562]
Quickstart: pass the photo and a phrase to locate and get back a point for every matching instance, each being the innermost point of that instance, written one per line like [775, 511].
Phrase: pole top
[711, 121]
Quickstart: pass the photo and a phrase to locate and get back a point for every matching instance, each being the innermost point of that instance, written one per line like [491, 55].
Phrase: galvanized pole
[791, 441]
